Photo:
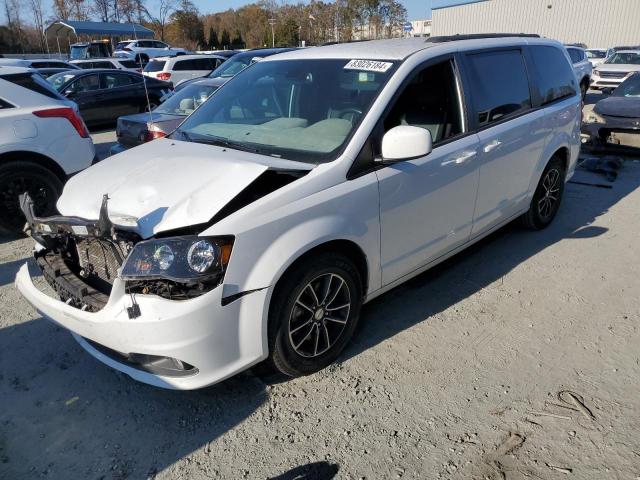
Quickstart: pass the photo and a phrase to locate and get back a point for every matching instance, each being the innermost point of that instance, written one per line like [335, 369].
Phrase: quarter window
[429, 101]
[499, 85]
[555, 77]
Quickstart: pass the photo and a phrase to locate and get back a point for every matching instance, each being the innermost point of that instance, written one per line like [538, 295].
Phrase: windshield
[232, 67]
[58, 80]
[624, 58]
[185, 101]
[630, 88]
[78, 52]
[302, 110]
[121, 45]
[596, 54]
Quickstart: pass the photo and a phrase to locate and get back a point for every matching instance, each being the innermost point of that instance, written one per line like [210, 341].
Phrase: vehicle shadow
[488, 261]
[65, 415]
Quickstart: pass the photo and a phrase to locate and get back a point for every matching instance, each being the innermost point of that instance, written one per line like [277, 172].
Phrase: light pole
[272, 22]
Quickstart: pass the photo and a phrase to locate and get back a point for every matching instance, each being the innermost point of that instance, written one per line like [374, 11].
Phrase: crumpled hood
[162, 185]
[619, 107]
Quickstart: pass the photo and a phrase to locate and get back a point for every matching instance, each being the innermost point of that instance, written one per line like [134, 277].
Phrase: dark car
[136, 129]
[619, 113]
[104, 95]
[236, 64]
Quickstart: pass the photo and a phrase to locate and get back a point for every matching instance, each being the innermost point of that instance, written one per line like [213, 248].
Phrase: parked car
[185, 67]
[582, 66]
[104, 95]
[613, 50]
[615, 69]
[314, 181]
[92, 49]
[44, 66]
[109, 63]
[618, 113]
[133, 130]
[236, 64]
[596, 55]
[144, 50]
[42, 141]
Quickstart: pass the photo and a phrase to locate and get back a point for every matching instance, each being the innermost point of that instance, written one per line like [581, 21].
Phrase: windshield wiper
[218, 142]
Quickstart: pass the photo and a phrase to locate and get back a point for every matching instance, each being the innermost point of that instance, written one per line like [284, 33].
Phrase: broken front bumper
[600, 133]
[178, 344]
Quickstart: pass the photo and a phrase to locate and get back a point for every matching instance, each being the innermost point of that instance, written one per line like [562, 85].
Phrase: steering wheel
[349, 113]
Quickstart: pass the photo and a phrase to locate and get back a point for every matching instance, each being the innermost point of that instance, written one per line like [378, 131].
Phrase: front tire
[313, 314]
[547, 197]
[17, 177]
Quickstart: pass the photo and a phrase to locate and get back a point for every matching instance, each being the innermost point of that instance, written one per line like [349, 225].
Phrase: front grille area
[99, 261]
[613, 74]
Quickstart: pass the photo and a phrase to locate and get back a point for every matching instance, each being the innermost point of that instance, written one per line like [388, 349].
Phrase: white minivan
[313, 182]
[183, 67]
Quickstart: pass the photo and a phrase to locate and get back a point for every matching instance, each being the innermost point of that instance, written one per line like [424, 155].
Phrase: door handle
[492, 145]
[460, 159]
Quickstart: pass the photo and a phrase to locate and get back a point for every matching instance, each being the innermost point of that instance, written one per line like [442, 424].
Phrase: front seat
[427, 111]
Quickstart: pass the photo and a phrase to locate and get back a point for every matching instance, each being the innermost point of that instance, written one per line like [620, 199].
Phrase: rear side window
[183, 65]
[129, 64]
[4, 104]
[154, 66]
[555, 77]
[103, 65]
[499, 85]
[33, 82]
[575, 54]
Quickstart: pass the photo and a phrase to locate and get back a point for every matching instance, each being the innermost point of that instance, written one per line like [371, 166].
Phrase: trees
[213, 43]
[225, 39]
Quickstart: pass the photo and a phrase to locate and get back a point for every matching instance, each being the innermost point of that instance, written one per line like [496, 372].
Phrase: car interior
[429, 101]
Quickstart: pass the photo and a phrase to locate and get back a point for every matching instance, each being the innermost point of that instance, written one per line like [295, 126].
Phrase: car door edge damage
[309, 184]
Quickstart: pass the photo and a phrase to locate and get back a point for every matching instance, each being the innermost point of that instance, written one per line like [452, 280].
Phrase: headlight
[181, 259]
[593, 117]
[596, 72]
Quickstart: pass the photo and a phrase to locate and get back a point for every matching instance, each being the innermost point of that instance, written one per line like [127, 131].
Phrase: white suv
[183, 67]
[582, 66]
[314, 181]
[43, 140]
[616, 69]
[143, 50]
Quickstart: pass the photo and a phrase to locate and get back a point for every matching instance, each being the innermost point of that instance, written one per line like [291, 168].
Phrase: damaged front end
[80, 259]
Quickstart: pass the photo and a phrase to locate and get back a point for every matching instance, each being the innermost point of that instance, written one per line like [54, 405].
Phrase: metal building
[597, 23]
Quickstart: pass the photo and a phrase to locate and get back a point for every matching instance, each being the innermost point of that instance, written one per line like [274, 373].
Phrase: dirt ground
[517, 359]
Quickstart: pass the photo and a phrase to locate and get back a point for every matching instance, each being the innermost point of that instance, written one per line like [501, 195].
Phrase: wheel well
[26, 156]
[563, 154]
[349, 249]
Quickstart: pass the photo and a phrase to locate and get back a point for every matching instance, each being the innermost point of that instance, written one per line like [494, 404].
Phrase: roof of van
[401, 48]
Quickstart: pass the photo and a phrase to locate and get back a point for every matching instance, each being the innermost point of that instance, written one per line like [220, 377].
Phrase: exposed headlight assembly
[180, 259]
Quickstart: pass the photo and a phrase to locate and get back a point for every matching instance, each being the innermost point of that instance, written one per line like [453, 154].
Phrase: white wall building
[597, 23]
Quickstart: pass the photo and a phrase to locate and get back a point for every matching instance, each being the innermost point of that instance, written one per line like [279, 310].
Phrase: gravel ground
[516, 359]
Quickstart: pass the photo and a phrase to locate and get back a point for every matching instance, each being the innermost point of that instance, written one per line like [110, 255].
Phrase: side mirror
[405, 142]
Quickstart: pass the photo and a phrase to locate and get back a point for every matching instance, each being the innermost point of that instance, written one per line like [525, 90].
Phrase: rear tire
[17, 177]
[314, 312]
[547, 197]
[584, 86]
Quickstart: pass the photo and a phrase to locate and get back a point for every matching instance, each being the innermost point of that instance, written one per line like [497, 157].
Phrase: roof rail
[477, 36]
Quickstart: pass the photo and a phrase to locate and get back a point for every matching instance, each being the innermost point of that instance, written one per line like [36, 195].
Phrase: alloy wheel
[550, 193]
[319, 315]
